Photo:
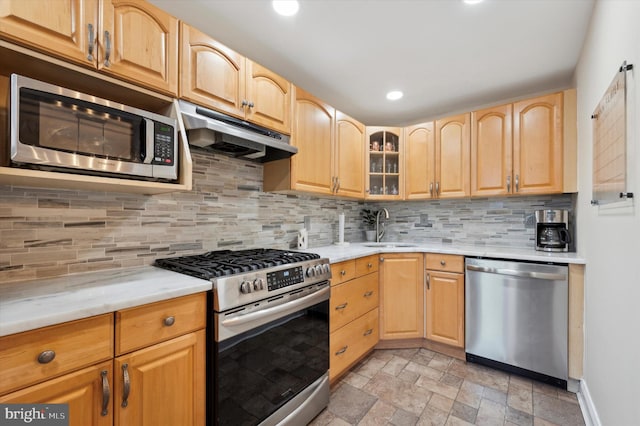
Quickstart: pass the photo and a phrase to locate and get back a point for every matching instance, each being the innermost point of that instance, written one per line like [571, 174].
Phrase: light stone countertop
[27, 305]
[336, 253]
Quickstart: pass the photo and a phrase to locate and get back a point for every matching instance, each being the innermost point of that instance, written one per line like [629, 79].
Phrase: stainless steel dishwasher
[517, 317]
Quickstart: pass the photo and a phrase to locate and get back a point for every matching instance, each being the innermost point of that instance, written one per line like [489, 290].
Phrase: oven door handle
[280, 310]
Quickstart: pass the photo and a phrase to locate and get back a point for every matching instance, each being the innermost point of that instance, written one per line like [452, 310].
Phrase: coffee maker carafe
[552, 230]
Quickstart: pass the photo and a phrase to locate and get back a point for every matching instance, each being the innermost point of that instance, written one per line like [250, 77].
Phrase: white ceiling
[445, 56]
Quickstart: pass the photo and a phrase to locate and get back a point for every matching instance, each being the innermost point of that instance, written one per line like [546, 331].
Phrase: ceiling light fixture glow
[472, 1]
[286, 7]
[394, 95]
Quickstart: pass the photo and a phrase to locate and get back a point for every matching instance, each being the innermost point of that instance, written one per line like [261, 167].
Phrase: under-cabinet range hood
[232, 136]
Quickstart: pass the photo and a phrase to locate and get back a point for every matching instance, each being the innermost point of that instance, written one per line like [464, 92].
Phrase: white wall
[611, 244]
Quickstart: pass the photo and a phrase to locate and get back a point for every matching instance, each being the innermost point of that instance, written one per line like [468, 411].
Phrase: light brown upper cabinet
[437, 159]
[538, 145]
[348, 157]
[492, 151]
[420, 154]
[524, 159]
[131, 40]
[215, 76]
[385, 166]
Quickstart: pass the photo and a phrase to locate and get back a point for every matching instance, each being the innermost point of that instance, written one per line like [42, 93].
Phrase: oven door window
[260, 370]
[71, 125]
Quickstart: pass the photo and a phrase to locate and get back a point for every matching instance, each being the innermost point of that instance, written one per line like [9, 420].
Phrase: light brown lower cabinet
[353, 318]
[444, 306]
[162, 383]
[401, 296]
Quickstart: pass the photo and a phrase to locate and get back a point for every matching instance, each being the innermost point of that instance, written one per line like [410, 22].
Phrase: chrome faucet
[379, 233]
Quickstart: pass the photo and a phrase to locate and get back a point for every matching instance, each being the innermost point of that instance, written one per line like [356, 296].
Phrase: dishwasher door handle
[516, 273]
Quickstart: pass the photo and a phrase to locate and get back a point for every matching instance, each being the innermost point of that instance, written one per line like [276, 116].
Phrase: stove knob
[318, 269]
[258, 284]
[326, 268]
[245, 287]
[311, 272]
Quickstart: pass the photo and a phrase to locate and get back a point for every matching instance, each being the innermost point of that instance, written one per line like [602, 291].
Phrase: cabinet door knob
[370, 265]
[46, 357]
[107, 53]
[442, 262]
[382, 259]
[169, 321]
[127, 385]
[106, 393]
[251, 105]
[91, 42]
[343, 272]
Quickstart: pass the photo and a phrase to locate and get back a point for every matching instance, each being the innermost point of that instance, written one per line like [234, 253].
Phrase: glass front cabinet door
[385, 163]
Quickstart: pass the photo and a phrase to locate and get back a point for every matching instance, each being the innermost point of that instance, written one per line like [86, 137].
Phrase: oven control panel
[284, 278]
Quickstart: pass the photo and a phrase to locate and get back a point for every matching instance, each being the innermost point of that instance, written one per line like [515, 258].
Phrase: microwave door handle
[149, 138]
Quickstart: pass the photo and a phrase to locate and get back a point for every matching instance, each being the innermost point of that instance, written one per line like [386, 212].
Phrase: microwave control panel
[163, 144]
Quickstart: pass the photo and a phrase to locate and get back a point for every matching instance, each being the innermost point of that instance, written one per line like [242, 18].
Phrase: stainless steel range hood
[232, 136]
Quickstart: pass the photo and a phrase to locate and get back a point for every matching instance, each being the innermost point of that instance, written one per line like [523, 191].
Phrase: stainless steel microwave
[53, 128]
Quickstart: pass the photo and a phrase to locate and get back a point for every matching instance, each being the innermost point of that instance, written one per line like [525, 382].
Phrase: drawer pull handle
[46, 357]
[91, 42]
[127, 385]
[169, 321]
[341, 351]
[370, 265]
[339, 307]
[428, 281]
[442, 262]
[107, 54]
[343, 272]
[368, 332]
[106, 393]
[368, 294]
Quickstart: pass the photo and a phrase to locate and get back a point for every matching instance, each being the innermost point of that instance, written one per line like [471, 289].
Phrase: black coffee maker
[552, 230]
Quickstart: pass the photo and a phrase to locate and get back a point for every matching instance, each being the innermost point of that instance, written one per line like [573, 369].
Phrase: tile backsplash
[46, 232]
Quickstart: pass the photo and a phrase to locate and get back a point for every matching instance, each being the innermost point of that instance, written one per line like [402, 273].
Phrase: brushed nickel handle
[251, 105]
[338, 184]
[127, 385]
[438, 188]
[169, 321]
[431, 188]
[343, 272]
[107, 53]
[382, 259]
[517, 183]
[428, 281]
[344, 305]
[46, 357]
[106, 393]
[368, 332]
[509, 183]
[333, 184]
[244, 103]
[92, 40]
[370, 265]
[442, 262]
[368, 294]
[342, 350]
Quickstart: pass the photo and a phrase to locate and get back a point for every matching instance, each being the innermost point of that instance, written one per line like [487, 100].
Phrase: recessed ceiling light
[394, 95]
[472, 1]
[286, 7]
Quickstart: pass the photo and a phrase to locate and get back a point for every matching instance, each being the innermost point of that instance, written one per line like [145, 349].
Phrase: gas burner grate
[221, 263]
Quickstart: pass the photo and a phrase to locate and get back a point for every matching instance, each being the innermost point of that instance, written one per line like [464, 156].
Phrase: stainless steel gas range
[268, 336]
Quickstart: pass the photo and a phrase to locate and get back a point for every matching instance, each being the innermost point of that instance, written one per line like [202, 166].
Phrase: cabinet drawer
[366, 265]
[73, 345]
[352, 299]
[156, 322]
[343, 271]
[351, 342]
[445, 262]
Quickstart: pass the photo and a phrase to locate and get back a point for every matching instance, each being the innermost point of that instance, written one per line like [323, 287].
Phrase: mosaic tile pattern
[47, 232]
[420, 387]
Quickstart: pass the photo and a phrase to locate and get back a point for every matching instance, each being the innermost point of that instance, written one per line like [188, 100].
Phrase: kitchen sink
[389, 244]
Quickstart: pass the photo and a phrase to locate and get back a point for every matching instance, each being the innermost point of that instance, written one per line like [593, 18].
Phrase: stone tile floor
[421, 387]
